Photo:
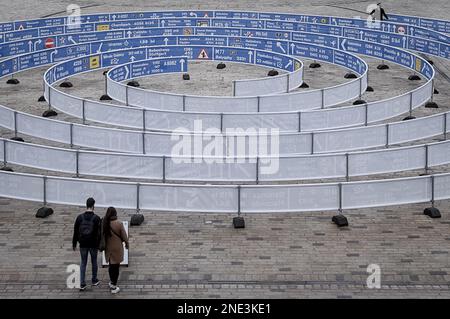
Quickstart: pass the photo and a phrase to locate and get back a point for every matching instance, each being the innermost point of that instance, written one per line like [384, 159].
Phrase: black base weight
[340, 220]
[49, 113]
[105, 97]
[304, 86]
[66, 85]
[238, 222]
[137, 220]
[44, 212]
[432, 212]
[13, 81]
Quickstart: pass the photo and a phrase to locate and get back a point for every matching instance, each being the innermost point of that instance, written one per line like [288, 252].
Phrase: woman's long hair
[111, 214]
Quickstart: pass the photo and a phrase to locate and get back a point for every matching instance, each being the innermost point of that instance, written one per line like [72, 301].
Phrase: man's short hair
[90, 202]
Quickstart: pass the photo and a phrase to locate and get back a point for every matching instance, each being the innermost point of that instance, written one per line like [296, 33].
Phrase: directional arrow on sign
[36, 43]
[405, 41]
[333, 21]
[182, 62]
[280, 46]
[361, 33]
[343, 44]
[100, 48]
[129, 33]
[30, 46]
[69, 38]
[288, 65]
[250, 56]
[133, 58]
[292, 48]
[163, 23]
[193, 14]
[127, 72]
[412, 62]
[52, 55]
[424, 67]
[114, 17]
[166, 40]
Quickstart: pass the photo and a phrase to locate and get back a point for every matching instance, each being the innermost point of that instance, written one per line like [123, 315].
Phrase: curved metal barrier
[226, 199]
[248, 199]
[223, 169]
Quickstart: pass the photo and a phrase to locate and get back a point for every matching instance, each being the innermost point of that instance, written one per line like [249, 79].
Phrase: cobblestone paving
[201, 255]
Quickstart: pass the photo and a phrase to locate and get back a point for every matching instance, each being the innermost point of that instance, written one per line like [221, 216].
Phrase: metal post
[340, 198]
[184, 103]
[347, 178]
[83, 111]
[432, 191]
[299, 121]
[288, 83]
[259, 102]
[432, 90]
[366, 119]
[387, 136]
[50, 96]
[445, 126]
[323, 98]
[77, 163]
[221, 122]
[143, 142]
[15, 123]
[360, 88]
[410, 104]
[126, 95]
[164, 169]
[234, 88]
[4, 154]
[45, 191]
[138, 191]
[239, 200]
[312, 143]
[144, 128]
[426, 159]
[71, 135]
[106, 84]
[257, 170]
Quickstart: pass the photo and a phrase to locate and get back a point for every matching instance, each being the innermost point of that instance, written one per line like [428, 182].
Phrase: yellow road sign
[94, 62]
[103, 27]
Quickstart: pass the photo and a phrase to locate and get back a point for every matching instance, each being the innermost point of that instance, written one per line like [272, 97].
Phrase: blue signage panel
[313, 52]
[275, 61]
[234, 55]
[260, 44]
[325, 40]
[202, 40]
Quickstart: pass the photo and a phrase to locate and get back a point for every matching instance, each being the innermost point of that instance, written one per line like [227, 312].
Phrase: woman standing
[115, 235]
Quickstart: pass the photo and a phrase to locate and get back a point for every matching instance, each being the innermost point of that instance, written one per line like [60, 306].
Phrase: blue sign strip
[397, 40]
[123, 57]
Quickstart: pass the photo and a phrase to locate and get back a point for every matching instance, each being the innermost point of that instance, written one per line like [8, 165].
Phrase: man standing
[87, 233]
[379, 13]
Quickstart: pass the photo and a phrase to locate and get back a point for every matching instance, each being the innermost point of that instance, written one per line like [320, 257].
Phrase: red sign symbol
[50, 43]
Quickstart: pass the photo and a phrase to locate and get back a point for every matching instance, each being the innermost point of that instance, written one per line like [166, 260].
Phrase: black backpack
[86, 228]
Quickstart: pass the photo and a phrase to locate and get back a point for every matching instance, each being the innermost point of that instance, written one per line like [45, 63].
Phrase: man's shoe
[111, 286]
[115, 291]
[96, 283]
[83, 287]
